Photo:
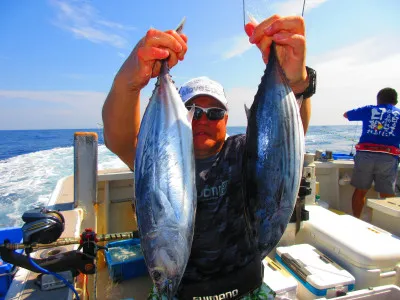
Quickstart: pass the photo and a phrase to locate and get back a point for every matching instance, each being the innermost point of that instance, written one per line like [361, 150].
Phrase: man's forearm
[121, 120]
[305, 113]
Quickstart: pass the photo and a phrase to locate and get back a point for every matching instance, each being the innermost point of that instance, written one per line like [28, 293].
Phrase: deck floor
[137, 288]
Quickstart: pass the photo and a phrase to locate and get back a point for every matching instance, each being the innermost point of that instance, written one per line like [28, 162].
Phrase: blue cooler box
[125, 260]
[14, 234]
[341, 156]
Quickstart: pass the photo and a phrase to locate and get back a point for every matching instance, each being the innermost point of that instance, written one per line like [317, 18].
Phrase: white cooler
[386, 214]
[369, 253]
[279, 280]
[317, 274]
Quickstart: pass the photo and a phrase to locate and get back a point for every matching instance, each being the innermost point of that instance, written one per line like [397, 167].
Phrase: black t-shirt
[221, 242]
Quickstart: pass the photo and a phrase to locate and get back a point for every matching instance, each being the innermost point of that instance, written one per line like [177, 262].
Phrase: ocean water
[32, 161]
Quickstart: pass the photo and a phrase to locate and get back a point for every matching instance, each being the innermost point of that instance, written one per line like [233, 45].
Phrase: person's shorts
[264, 292]
[380, 168]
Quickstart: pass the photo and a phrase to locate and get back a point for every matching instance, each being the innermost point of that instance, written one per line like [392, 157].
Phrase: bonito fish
[165, 186]
[273, 158]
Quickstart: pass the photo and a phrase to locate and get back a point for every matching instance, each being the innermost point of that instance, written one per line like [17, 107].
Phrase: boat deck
[111, 212]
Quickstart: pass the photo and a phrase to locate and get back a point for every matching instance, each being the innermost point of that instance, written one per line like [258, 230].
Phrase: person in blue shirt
[377, 155]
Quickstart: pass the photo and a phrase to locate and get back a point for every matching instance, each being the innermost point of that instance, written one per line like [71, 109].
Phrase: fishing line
[100, 128]
[244, 14]
[244, 11]
[304, 4]
[354, 138]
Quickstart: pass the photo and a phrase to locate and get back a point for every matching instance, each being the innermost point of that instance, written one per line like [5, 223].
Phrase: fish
[273, 157]
[165, 197]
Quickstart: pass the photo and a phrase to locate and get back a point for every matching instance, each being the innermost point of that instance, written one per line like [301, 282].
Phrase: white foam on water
[108, 160]
[27, 181]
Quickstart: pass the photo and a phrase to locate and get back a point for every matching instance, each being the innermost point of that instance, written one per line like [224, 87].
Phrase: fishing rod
[42, 230]
[71, 241]
[355, 131]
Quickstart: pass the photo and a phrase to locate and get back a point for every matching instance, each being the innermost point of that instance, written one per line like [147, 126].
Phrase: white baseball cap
[203, 86]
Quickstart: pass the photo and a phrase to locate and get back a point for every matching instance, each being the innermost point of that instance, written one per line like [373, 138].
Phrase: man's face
[208, 135]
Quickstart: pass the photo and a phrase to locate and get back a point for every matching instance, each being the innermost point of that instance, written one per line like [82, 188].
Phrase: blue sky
[58, 58]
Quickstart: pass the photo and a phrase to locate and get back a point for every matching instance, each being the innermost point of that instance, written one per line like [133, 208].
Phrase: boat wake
[28, 180]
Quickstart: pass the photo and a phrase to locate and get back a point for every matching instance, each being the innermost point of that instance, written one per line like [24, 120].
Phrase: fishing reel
[42, 226]
[300, 213]
[42, 230]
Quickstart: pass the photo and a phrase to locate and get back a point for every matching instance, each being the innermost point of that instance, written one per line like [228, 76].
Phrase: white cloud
[295, 7]
[261, 9]
[84, 22]
[348, 77]
[69, 109]
[70, 97]
[311, 4]
[351, 77]
[238, 97]
[115, 25]
[98, 36]
[240, 43]
[122, 55]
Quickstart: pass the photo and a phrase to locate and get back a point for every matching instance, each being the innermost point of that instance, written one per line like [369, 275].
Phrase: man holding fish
[230, 238]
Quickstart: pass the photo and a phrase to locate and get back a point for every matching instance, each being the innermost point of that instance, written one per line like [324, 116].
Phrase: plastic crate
[14, 234]
[129, 267]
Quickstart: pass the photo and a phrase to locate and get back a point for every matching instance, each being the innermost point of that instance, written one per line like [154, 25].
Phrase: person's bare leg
[358, 202]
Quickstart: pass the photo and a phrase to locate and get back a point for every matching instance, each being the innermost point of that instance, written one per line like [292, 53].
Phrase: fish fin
[247, 110]
[190, 114]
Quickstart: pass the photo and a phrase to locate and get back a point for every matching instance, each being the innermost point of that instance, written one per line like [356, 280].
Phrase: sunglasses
[212, 113]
